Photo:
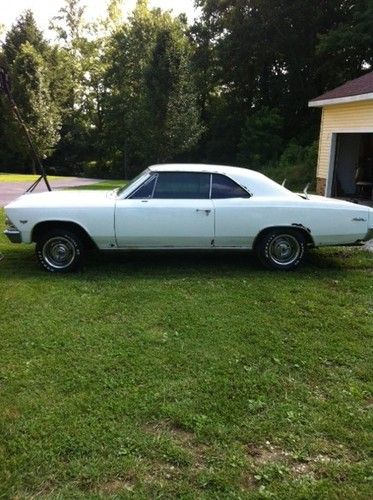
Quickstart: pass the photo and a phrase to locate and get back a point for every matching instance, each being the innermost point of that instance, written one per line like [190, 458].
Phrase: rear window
[224, 187]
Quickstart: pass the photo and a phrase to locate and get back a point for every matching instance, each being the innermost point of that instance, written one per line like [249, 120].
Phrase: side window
[182, 186]
[146, 190]
[224, 187]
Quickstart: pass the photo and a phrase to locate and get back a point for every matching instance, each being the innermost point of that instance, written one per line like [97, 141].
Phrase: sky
[44, 10]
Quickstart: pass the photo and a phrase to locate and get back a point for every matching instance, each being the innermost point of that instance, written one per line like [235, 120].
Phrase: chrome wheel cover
[59, 252]
[284, 249]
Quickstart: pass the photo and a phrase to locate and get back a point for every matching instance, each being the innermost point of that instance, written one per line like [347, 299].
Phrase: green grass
[186, 376]
[102, 185]
[24, 177]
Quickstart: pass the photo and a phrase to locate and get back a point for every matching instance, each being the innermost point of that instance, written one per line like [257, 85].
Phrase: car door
[171, 210]
[233, 214]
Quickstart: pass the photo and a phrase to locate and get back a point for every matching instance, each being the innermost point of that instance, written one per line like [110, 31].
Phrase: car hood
[68, 198]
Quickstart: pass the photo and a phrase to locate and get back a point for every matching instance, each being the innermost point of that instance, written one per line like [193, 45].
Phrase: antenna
[305, 192]
[6, 89]
[284, 182]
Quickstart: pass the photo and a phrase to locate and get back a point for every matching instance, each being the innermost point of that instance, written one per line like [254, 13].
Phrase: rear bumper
[13, 235]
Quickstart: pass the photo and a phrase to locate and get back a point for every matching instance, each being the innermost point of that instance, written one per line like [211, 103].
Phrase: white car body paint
[116, 222]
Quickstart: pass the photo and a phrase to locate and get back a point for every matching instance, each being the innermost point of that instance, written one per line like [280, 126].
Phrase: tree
[114, 18]
[172, 99]
[152, 111]
[24, 30]
[265, 53]
[26, 57]
[261, 138]
[70, 28]
[29, 75]
[350, 43]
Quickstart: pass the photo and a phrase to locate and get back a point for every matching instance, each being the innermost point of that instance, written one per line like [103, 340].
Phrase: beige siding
[341, 118]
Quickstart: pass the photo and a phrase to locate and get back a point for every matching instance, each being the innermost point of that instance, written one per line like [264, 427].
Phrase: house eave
[340, 100]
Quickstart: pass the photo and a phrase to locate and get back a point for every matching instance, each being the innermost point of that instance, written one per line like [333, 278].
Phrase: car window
[146, 190]
[224, 187]
[127, 187]
[182, 185]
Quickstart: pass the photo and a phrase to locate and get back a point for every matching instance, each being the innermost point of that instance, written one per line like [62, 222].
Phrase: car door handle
[207, 212]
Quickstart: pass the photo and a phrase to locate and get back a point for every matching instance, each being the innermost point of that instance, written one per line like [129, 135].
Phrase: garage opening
[353, 167]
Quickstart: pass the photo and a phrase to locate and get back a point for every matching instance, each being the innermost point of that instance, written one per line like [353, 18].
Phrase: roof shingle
[359, 86]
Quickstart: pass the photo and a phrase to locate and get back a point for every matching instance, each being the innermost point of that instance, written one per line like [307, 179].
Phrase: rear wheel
[281, 249]
[60, 251]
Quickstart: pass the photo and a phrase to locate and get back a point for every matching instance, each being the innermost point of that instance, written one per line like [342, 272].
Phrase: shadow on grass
[179, 264]
[20, 261]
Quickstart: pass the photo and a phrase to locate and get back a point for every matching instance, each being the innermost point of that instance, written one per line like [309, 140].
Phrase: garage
[345, 162]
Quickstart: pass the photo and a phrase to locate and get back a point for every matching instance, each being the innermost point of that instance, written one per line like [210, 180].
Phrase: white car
[185, 207]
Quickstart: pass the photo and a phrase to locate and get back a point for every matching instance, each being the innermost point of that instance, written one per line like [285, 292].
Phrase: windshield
[127, 186]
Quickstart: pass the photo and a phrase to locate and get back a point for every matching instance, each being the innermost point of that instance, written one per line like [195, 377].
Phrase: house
[345, 163]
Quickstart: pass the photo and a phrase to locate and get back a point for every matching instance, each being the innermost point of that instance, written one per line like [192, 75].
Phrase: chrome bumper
[13, 235]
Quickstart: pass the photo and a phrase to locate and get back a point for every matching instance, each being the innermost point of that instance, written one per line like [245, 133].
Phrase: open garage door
[353, 167]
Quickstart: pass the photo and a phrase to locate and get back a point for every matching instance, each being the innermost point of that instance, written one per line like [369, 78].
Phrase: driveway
[11, 190]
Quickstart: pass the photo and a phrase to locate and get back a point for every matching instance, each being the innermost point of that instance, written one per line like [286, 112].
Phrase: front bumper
[13, 235]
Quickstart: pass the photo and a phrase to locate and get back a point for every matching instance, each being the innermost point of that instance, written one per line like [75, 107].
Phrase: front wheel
[281, 249]
[59, 251]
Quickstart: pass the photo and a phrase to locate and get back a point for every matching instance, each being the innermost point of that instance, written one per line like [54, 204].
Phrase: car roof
[254, 182]
[201, 167]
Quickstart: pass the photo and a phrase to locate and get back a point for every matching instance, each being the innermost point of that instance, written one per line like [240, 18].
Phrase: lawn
[23, 177]
[186, 376]
[102, 185]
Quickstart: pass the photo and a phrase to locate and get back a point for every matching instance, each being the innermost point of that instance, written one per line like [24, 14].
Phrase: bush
[297, 165]
[99, 170]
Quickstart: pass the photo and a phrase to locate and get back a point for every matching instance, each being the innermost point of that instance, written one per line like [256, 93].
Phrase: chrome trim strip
[155, 185]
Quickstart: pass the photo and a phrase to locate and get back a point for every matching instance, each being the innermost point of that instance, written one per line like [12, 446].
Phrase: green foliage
[350, 44]
[261, 138]
[69, 23]
[233, 88]
[257, 53]
[297, 165]
[31, 91]
[23, 31]
[171, 96]
[152, 112]
[25, 55]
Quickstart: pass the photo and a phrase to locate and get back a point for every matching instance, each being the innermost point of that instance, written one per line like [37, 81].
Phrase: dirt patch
[248, 481]
[161, 472]
[11, 413]
[182, 438]
[267, 455]
[171, 430]
[369, 404]
[115, 486]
